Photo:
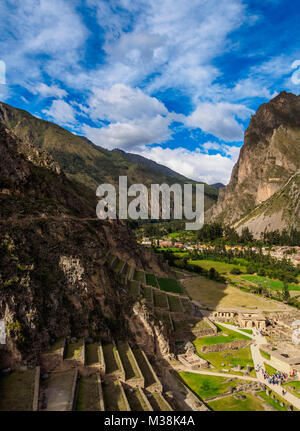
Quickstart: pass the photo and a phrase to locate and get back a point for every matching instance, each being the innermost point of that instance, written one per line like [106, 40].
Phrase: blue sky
[173, 80]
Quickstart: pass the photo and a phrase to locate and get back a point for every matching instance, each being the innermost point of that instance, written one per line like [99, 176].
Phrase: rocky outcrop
[269, 157]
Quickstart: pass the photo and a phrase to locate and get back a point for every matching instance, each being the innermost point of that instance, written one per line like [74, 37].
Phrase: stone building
[252, 320]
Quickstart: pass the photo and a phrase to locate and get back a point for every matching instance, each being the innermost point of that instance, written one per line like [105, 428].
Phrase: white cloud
[193, 164]
[220, 120]
[45, 90]
[131, 135]
[120, 103]
[61, 112]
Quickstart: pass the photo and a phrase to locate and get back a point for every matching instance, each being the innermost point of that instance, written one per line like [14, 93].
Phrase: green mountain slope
[80, 159]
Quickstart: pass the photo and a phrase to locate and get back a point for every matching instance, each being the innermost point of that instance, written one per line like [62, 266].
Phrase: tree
[285, 292]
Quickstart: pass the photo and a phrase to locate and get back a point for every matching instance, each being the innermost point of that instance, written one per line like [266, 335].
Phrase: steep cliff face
[54, 277]
[269, 157]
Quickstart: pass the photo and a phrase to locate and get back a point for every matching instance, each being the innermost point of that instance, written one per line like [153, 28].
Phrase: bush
[235, 271]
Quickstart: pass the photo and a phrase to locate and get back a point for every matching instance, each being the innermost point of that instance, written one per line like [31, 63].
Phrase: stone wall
[234, 345]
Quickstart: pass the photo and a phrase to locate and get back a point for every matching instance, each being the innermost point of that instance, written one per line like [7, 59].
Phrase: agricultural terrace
[127, 359]
[144, 367]
[88, 398]
[170, 285]
[151, 280]
[111, 359]
[212, 294]
[160, 299]
[135, 399]
[175, 304]
[158, 402]
[92, 352]
[113, 397]
[58, 390]
[75, 350]
[17, 391]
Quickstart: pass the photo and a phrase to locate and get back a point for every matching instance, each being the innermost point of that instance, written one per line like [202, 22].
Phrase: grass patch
[17, 391]
[269, 283]
[272, 402]
[230, 403]
[88, 398]
[293, 387]
[226, 336]
[265, 355]
[221, 267]
[207, 386]
[170, 285]
[75, 350]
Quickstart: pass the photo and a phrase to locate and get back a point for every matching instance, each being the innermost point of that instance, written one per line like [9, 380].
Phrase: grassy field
[269, 283]
[212, 294]
[207, 386]
[226, 336]
[230, 358]
[264, 354]
[113, 397]
[169, 285]
[127, 359]
[17, 391]
[88, 398]
[92, 352]
[160, 299]
[110, 358]
[151, 280]
[174, 304]
[251, 403]
[221, 267]
[272, 402]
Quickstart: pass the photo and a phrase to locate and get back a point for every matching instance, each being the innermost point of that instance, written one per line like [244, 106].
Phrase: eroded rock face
[269, 157]
[54, 277]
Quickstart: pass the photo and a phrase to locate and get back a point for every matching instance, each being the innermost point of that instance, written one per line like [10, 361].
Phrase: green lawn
[230, 359]
[207, 386]
[264, 354]
[251, 403]
[272, 402]
[221, 267]
[269, 283]
[169, 285]
[226, 336]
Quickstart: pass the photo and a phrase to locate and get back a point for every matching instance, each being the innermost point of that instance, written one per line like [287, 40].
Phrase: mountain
[136, 158]
[269, 158]
[217, 186]
[55, 279]
[85, 162]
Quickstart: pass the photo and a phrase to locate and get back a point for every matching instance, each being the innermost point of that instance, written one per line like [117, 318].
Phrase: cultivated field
[213, 294]
[221, 267]
[16, 391]
[88, 394]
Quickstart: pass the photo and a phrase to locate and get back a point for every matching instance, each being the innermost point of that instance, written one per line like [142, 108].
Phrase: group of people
[275, 379]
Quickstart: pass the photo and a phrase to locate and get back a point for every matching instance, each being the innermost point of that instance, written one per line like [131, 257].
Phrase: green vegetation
[272, 402]
[17, 391]
[134, 288]
[88, 398]
[231, 403]
[139, 276]
[293, 387]
[265, 355]
[113, 397]
[170, 285]
[268, 283]
[226, 336]
[147, 294]
[207, 386]
[221, 267]
[270, 370]
[151, 280]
